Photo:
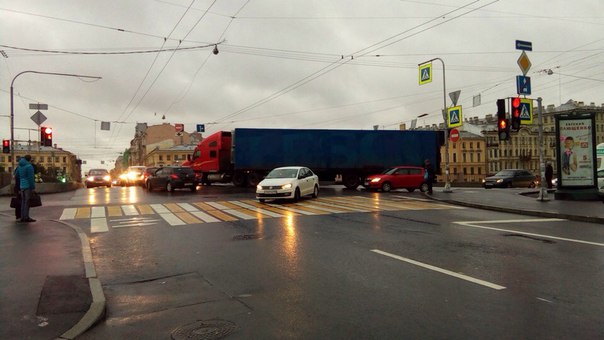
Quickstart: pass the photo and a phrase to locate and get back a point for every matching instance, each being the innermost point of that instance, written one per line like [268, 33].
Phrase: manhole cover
[247, 237]
[204, 330]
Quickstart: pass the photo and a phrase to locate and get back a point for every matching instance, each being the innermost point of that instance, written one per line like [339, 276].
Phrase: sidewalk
[44, 289]
[523, 202]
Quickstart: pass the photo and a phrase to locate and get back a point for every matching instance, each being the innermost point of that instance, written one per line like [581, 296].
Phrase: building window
[464, 171]
[479, 172]
[471, 156]
[454, 158]
[64, 159]
[463, 145]
[49, 159]
[471, 171]
[471, 145]
[478, 156]
[161, 158]
[167, 157]
[477, 145]
[464, 158]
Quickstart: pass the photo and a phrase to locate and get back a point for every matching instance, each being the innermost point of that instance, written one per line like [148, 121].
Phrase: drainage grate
[204, 330]
[247, 237]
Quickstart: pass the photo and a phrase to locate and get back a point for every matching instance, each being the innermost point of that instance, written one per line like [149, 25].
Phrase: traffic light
[46, 136]
[5, 146]
[502, 123]
[515, 113]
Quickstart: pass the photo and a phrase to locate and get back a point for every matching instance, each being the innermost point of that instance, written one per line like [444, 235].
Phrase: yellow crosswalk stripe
[83, 213]
[145, 209]
[269, 208]
[242, 210]
[349, 205]
[306, 208]
[175, 208]
[214, 212]
[188, 218]
[114, 210]
[204, 206]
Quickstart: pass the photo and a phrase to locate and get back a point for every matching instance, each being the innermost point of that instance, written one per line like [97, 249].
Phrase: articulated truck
[245, 155]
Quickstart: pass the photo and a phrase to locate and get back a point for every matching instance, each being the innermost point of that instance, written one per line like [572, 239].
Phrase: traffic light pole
[447, 187]
[12, 110]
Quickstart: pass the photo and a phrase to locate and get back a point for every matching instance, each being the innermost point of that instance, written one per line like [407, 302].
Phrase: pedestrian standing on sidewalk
[549, 174]
[28, 184]
[17, 194]
[428, 175]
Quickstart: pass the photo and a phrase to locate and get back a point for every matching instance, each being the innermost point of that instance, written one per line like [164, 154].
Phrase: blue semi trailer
[245, 155]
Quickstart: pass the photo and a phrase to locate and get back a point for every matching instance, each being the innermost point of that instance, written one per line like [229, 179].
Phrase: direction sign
[38, 118]
[454, 116]
[525, 63]
[454, 96]
[425, 73]
[526, 111]
[454, 135]
[523, 85]
[38, 106]
[179, 127]
[524, 45]
[201, 128]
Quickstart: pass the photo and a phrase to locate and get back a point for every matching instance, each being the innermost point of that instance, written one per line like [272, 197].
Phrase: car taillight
[174, 176]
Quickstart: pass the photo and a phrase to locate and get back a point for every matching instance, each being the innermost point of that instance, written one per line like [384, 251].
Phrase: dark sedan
[510, 178]
[172, 177]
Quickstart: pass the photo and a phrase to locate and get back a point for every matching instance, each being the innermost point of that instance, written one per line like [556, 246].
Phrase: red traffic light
[48, 131]
[5, 143]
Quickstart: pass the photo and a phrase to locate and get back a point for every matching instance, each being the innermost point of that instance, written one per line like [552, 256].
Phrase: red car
[407, 177]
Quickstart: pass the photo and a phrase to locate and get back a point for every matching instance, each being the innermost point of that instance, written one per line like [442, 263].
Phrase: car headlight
[286, 186]
[90, 179]
[132, 175]
[500, 180]
[258, 187]
[483, 180]
[123, 176]
[107, 178]
[375, 180]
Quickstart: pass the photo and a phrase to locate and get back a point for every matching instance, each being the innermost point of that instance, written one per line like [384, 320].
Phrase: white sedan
[289, 182]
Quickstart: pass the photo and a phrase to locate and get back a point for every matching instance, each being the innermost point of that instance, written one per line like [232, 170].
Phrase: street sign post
[454, 116]
[201, 128]
[454, 96]
[454, 136]
[38, 118]
[524, 45]
[526, 111]
[38, 106]
[525, 63]
[425, 73]
[523, 85]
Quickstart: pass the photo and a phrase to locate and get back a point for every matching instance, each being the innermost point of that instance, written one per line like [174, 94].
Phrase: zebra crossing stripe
[333, 205]
[173, 207]
[292, 209]
[159, 209]
[239, 213]
[205, 217]
[300, 208]
[373, 204]
[171, 219]
[98, 225]
[98, 212]
[129, 210]
[274, 208]
[216, 205]
[114, 211]
[145, 209]
[366, 206]
[68, 214]
[83, 213]
[321, 208]
[253, 208]
[210, 209]
[187, 207]
[204, 206]
[187, 218]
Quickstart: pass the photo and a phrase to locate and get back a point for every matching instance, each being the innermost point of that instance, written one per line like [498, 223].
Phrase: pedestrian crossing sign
[454, 118]
[526, 111]
[425, 73]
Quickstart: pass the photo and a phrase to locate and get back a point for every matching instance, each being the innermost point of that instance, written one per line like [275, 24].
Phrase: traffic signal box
[5, 146]
[46, 136]
[515, 115]
[503, 127]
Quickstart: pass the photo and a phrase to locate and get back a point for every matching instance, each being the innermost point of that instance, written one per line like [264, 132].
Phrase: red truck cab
[211, 158]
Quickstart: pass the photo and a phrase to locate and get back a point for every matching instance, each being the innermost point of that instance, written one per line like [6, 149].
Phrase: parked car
[97, 178]
[290, 182]
[149, 171]
[509, 178]
[172, 177]
[407, 177]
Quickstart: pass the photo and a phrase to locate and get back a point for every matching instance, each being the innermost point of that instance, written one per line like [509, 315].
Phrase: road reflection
[290, 244]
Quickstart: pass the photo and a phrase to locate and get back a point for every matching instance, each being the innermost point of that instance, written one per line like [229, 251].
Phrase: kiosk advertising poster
[576, 150]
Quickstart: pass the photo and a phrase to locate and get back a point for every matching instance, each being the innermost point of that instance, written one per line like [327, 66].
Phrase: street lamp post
[12, 111]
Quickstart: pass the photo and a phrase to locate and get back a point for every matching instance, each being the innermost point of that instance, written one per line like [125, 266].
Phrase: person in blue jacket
[27, 184]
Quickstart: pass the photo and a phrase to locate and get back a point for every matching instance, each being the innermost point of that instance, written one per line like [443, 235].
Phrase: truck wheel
[253, 178]
[239, 179]
[350, 181]
[386, 187]
[423, 187]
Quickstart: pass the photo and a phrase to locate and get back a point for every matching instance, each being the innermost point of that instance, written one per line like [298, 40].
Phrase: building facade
[56, 162]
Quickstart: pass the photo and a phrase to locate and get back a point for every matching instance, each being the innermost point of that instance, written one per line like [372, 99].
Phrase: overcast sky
[342, 64]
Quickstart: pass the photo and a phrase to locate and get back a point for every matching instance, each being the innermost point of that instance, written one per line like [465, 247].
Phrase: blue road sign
[201, 128]
[524, 45]
[523, 85]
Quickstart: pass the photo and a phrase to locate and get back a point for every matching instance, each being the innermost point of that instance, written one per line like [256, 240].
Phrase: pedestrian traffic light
[502, 123]
[5, 146]
[515, 114]
[46, 136]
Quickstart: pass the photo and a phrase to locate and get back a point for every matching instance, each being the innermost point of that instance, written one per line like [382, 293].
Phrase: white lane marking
[68, 214]
[160, 209]
[204, 217]
[514, 221]
[240, 214]
[217, 205]
[98, 225]
[303, 212]
[545, 300]
[129, 210]
[188, 207]
[473, 225]
[172, 219]
[440, 270]
[134, 222]
[98, 212]
[253, 208]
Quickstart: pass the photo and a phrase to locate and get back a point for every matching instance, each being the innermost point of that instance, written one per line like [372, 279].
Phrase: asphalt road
[351, 264]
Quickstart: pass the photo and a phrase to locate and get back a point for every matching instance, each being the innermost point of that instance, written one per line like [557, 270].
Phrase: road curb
[546, 214]
[96, 311]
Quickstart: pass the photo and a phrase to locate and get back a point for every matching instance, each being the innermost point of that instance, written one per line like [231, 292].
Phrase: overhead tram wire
[340, 63]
